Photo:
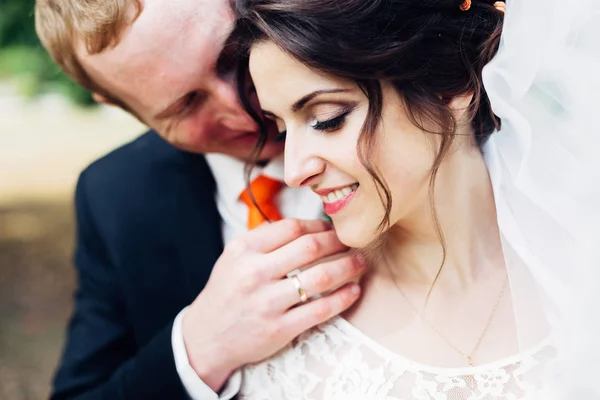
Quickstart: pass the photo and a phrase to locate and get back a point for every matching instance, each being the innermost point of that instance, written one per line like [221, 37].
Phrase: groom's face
[174, 70]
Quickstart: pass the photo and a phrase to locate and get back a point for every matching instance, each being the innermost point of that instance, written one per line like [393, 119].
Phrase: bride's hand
[249, 309]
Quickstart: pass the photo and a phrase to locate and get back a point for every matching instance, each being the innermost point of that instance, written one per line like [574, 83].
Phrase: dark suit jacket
[148, 235]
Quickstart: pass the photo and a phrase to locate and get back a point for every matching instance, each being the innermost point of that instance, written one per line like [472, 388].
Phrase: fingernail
[355, 289]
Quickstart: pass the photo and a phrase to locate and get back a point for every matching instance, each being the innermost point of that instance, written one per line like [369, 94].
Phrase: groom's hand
[249, 309]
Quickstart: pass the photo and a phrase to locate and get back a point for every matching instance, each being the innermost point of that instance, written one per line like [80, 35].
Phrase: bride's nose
[303, 166]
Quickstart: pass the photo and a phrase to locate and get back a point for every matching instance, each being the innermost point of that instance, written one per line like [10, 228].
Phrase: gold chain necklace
[467, 356]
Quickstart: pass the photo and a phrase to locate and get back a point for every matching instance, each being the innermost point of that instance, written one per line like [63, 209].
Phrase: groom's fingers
[316, 280]
[251, 308]
[302, 252]
[271, 236]
[308, 315]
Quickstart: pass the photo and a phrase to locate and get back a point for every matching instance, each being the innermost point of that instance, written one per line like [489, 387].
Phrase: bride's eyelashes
[330, 125]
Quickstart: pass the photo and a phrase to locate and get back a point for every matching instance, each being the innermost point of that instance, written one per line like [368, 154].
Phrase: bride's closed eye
[332, 124]
[329, 125]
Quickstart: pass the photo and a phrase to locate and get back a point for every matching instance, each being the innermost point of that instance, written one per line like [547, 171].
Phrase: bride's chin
[352, 235]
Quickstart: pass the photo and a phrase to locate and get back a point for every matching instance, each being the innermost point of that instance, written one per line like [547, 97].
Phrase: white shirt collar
[229, 174]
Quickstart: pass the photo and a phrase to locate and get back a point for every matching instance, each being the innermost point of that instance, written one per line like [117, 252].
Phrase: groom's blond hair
[64, 26]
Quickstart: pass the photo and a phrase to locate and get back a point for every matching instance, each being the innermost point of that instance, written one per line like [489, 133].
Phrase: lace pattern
[331, 362]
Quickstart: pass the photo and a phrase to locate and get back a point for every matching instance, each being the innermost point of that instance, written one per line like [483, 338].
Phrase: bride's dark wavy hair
[429, 50]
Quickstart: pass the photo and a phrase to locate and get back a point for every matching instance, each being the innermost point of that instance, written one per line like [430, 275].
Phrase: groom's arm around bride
[151, 236]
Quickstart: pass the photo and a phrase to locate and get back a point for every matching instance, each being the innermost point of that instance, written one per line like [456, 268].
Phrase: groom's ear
[460, 105]
[102, 99]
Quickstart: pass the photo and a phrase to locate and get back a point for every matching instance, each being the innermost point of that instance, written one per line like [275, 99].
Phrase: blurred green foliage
[24, 62]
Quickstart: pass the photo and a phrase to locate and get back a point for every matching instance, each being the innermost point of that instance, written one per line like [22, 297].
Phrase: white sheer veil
[544, 84]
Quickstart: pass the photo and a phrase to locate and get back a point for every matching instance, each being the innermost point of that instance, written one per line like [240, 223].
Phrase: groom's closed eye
[191, 101]
[184, 105]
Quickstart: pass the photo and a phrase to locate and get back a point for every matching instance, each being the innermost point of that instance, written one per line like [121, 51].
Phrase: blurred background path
[49, 131]
[44, 144]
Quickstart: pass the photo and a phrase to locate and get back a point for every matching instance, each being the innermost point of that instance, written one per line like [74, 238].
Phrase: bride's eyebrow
[298, 105]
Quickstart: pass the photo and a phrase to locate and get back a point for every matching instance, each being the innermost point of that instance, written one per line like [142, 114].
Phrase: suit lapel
[199, 236]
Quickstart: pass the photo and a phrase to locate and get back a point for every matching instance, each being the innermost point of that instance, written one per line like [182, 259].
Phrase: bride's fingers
[306, 316]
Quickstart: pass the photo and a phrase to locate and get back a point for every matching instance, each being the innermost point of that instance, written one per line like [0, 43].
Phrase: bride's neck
[466, 216]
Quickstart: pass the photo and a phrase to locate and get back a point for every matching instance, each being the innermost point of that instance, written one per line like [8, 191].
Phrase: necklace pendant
[470, 361]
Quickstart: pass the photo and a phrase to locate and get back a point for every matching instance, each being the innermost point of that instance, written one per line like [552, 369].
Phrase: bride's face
[322, 117]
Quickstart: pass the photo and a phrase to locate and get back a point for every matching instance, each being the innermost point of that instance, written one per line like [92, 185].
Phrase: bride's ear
[460, 105]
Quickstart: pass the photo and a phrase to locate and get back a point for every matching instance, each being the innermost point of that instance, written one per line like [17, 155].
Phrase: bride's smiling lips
[334, 199]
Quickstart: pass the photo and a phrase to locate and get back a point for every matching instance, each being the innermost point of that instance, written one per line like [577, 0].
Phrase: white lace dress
[336, 361]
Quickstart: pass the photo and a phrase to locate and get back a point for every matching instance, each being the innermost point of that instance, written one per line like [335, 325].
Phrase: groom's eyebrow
[298, 105]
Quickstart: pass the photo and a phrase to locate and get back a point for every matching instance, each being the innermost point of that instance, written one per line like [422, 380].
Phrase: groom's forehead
[183, 18]
[179, 28]
[163, 28]
[171, 41]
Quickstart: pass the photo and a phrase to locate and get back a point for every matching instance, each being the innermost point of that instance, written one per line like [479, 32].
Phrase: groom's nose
[303, 166]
